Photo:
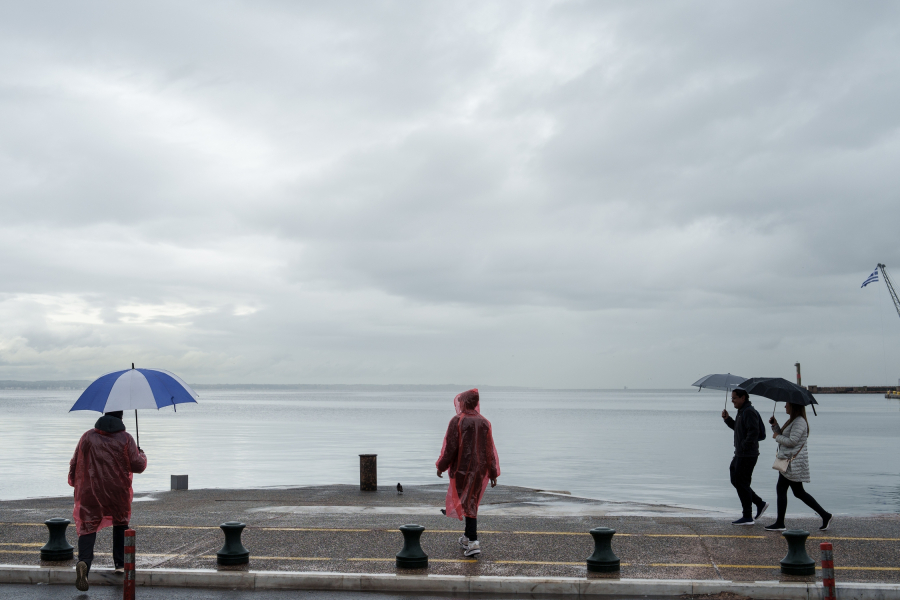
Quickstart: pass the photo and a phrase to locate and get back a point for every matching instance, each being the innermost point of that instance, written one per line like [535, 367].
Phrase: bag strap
[791, 459]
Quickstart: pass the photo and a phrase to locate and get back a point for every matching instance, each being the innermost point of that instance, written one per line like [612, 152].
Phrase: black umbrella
[779, 390]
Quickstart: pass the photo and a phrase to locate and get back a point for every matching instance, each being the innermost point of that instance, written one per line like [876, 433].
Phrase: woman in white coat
[792, 445]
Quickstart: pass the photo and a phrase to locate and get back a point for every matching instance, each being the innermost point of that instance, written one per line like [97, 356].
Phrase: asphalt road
[65, 592]
[522, 531]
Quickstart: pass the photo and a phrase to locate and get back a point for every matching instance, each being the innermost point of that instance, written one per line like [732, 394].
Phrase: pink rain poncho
[469, 456]
[101, 472]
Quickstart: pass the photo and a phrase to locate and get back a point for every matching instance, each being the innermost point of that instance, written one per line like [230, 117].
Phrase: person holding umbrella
[107, 456]
[793, 453]
[748, 432]
[101, 473]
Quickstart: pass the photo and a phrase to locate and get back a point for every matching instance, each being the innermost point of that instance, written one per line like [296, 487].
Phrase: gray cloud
[557, 194]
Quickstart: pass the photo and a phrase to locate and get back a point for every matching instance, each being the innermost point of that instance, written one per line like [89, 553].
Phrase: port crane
[890, 287]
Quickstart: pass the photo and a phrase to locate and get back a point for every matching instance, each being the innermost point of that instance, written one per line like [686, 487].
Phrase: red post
[827, 570]
[128, 587]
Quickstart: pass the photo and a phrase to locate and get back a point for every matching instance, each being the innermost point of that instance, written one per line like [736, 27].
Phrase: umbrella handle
[136, 430]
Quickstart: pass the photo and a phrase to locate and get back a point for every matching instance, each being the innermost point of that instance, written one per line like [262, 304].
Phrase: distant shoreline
[81, 384]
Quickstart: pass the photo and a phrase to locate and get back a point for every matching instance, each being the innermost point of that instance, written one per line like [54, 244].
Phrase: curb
[445, 584]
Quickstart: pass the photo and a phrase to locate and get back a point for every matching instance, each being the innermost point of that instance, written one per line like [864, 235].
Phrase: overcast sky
[556, 194]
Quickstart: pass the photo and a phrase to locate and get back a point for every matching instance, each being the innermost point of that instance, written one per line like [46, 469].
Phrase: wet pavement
[522, 531]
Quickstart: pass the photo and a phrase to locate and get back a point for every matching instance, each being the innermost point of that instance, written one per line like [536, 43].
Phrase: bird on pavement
[399, 489]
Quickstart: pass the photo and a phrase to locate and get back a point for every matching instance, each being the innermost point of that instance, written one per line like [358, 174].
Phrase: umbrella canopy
[726, 382]
[132, 389]
[779, 390]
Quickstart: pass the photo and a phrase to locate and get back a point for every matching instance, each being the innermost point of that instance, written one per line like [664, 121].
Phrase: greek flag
[871, 278]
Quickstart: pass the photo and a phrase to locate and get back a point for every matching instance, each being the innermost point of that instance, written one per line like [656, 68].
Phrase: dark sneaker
[826, 522]
[761, 510]
[775, 527]
[81, 573]
[744, 521]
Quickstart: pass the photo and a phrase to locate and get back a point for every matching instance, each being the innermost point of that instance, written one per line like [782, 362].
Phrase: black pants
[741, 471]
[781, 489]
[86, 546]
[472, 529]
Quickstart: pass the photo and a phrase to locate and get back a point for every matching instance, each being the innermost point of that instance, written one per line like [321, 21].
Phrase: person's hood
[109, 424]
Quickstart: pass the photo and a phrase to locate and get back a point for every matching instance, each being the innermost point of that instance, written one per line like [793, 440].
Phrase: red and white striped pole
[128, 588]
[827, 571]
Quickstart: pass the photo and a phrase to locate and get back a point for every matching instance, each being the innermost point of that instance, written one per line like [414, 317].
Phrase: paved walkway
[523, 532]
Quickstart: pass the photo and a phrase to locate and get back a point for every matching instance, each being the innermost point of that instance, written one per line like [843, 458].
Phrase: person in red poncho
[470, 457]
[101, 472]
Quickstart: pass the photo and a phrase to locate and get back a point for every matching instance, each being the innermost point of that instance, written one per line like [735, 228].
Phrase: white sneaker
[473, 548]
[464, 542]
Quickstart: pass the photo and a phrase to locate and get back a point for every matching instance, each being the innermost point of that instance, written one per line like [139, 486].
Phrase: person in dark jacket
[748, 429]
[101, 473]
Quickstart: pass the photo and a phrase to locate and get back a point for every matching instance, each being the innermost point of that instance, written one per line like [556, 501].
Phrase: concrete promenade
[524, 533]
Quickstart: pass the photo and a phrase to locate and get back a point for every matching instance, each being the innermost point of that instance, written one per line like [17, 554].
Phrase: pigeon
[399, 489]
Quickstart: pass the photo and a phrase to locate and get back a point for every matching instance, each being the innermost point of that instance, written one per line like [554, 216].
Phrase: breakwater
[862, 389]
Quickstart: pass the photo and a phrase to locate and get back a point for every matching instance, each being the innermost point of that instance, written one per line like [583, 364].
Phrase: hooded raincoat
[101, 472]
[469, 456]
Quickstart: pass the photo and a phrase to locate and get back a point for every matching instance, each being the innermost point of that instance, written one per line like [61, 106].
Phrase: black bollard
[603, 560]
[233, 552]
[57, 547]
[797, 561]
[368, 472]
[412, 556]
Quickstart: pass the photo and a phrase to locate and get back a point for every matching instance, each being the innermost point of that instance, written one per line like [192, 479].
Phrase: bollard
[57, 547]
[412, 556]
[368, 472]
[797, 561]
[827, 571]
[603, 560]
[128, 583]
[233, 552]
[179, 482]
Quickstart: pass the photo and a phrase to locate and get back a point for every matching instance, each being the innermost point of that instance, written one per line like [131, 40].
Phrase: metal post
[233, 552]
[128, 584]
[368, 472]
[797, 561]
[827, 570]
[603, 560]
[57, 547]
[412, 556]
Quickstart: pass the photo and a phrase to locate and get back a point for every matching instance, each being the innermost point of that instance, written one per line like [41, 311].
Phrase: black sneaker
[81, 575]
[761, 510]
[826, 523]
[775, 527]
[744, 521]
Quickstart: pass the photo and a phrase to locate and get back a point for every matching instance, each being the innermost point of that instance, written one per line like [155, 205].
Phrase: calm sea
[655, 446]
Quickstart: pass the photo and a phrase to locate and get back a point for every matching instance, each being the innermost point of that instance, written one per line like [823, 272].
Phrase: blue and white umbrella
[132, 389]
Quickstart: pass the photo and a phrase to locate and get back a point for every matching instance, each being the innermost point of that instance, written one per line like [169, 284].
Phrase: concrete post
[368, 472]
[797, 561]
[128, 584]
[57, 547]
[233, 552]
[603, 560]
[412, 556]
[827, 570]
